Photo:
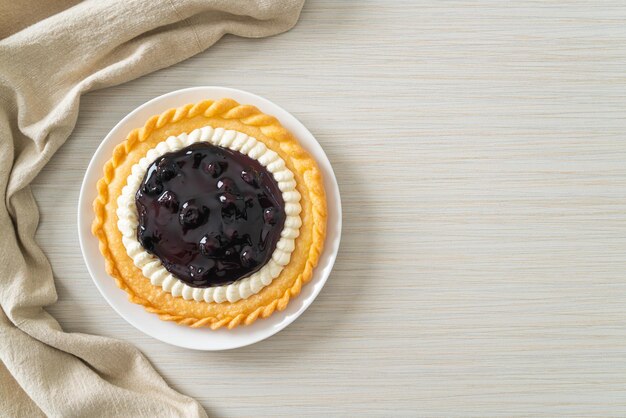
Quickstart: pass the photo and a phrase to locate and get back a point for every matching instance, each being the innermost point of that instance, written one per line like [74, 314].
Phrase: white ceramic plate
[203, 338]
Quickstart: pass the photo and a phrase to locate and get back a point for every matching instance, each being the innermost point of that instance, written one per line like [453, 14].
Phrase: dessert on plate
[211, 215]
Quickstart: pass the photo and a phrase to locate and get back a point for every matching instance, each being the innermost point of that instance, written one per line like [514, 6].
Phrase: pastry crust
[227, 114]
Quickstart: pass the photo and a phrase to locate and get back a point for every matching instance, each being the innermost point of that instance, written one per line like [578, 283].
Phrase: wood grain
[481, 154]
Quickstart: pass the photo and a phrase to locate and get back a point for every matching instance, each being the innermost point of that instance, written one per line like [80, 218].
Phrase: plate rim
[329, 255]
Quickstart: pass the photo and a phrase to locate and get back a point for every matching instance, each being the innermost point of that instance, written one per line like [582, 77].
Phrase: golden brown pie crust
[228, 114]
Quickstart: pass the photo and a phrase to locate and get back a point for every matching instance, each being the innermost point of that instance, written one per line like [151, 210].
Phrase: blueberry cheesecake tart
[211, 215]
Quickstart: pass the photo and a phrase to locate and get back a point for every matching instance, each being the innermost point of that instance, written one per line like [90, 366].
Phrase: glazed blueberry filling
[210, 214]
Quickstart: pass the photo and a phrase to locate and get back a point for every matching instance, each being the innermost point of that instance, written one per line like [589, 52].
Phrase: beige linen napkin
[45, 65]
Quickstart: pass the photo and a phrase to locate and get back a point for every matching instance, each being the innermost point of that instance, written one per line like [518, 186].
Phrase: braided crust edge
[227, 109]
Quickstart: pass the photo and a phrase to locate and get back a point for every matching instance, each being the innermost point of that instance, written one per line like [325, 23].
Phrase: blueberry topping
[227, 199]
[148, 242]
[153, 186]
[264, 201]
[197, 273]
[166, 170]
[209, 245]
[192, 214]
[215, 168]
[249, 177]
[231, 233]
[248, 258]
[197, 159]
[168, 200]
[270, 215]
[228, 185]
[210, 214]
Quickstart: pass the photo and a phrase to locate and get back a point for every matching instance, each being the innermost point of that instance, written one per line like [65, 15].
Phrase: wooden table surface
[480, 149]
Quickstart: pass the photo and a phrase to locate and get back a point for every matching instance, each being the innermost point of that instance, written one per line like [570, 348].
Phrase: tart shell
[227, 114]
